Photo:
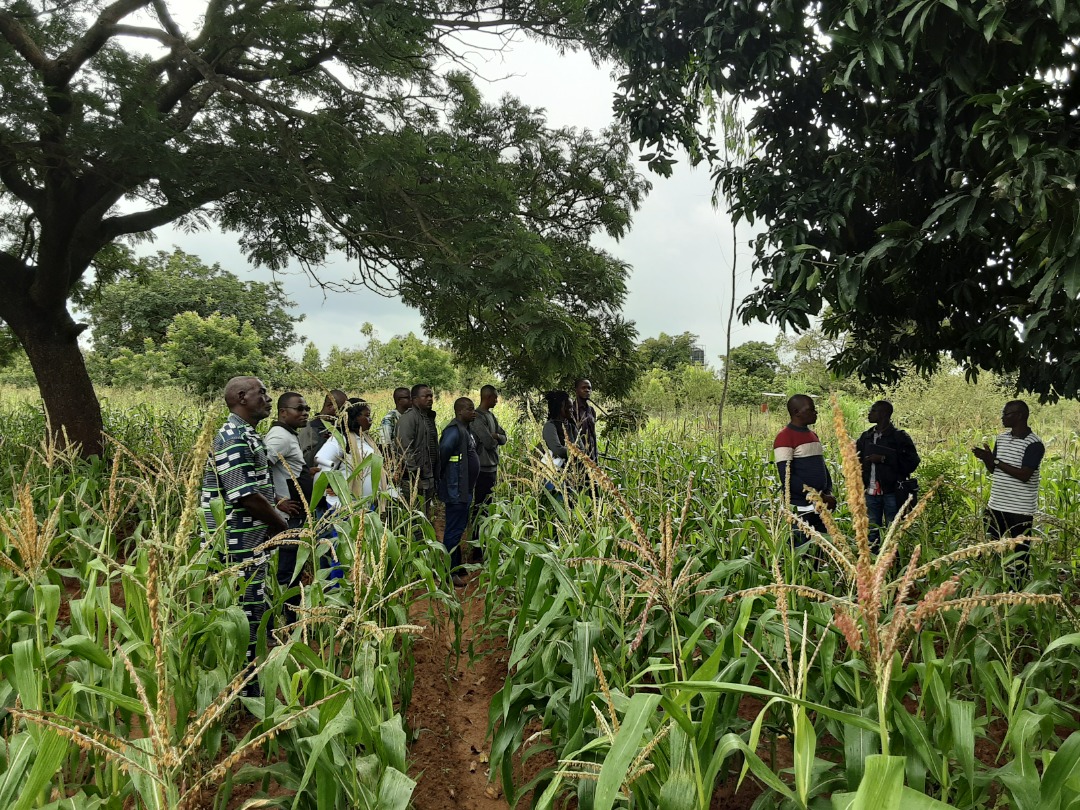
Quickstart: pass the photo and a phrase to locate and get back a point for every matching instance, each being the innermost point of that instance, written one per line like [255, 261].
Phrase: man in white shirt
[292, 478]
[1014, 488]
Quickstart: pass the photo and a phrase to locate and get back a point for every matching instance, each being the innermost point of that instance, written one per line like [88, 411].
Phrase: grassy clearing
[641, 625]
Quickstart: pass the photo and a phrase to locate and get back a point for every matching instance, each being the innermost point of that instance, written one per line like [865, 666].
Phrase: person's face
[467, 412]
[877, 414]
[423, 399]
[490, 401]
[402, 401]
[808, 413]
[256, 399]
[1012, 416]
[564, 411]
[584, 389]
[364, 420]
[295, 414]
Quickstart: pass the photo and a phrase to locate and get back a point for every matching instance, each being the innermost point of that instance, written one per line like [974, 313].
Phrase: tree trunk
[51, 341]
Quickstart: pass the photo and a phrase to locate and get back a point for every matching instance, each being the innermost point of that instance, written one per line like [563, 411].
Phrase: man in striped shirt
[237, 481]
[800, 463]
[1014, 466]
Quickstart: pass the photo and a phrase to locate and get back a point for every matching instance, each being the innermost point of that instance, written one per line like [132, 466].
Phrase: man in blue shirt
[459, 464]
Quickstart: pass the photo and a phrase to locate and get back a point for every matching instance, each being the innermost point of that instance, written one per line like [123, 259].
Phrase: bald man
[237, 477]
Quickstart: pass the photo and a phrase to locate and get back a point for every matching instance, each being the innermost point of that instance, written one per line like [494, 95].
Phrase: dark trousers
[485, 485]
[1008, 524]
[881, 511]
[457, 518]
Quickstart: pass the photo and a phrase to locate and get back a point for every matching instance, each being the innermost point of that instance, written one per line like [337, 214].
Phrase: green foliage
[149, 368]
[402, 360]
[141, 304]
[308, 132]
[666, 352]
[754, 366]
[929, 201]
[207, 352]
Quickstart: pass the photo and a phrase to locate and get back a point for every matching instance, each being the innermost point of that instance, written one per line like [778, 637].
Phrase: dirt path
[449, 715]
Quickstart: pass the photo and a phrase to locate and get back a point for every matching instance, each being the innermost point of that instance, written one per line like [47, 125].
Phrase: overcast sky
[679, 248]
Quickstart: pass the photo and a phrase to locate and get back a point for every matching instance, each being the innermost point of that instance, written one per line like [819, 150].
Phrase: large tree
[305, 127]
[914, 167]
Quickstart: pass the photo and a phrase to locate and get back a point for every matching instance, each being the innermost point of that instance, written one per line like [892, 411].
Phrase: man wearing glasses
[292, 479]
[1014, 486]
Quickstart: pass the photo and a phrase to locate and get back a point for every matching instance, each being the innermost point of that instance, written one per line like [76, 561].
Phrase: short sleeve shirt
[1008, 494]
[236, 468]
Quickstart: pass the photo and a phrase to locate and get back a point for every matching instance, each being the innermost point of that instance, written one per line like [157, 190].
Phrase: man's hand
[290, 507]
[984, 454]
[829, 501]
[876, 459]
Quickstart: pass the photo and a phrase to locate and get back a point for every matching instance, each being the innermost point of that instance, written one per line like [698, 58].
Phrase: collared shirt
[286, 459]
[237, 467]
[388, 428]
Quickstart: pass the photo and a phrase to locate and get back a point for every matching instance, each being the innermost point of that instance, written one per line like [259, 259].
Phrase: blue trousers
[881, 511]
[457, 518]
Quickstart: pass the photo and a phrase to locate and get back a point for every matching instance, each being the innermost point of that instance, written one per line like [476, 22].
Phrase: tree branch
[59, 72]
[21, 41]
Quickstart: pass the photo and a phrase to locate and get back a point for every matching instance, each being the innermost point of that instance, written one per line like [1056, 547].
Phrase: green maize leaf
[679, 792]
[23, 617]
[917, 741]
[962, 723]
[881, 787]
[27, 676]
[87, 649]
[395, 790]
[747, 689]
[1063, 768]
[117, 699]
[625, 747]
[805, 749]
[51, 750]
[19, 751]
[47, 604]
[393, 742]
[859, 743]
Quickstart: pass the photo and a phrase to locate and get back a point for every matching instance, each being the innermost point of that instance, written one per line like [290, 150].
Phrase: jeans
[881, 511]
[457, 518]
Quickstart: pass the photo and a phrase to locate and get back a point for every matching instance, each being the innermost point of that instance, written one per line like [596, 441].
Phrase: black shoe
[458, 580]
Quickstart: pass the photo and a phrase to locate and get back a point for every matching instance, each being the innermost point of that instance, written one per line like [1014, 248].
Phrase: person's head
[464, 411]
[880, 412]
[801, 410]
[402, 399]
[422, 396]
[1014, 414]
[583, 388]
[333, 402]
[358, 417]
[558, 403]
[247, 398]
[293, 410]
[489, 397]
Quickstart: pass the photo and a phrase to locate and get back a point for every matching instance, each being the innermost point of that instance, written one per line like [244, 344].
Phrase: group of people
[262, 486]
[889, 460]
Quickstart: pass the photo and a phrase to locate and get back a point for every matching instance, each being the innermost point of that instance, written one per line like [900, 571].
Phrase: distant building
[697, 355]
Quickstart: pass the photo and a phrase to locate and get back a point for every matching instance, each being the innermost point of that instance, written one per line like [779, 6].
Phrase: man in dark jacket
[315, 433]
[418, 448]
[459, 464]
[490, 436]
[888, 457]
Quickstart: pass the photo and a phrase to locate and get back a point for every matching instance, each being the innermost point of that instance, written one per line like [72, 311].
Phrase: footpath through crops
[654, 641]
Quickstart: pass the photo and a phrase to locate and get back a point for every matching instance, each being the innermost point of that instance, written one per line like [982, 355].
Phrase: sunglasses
[304, 408]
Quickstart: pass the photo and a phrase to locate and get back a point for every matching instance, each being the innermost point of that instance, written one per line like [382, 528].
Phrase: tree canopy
[914, 166]
[669, 352]
[142, 304]
[305, 129]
